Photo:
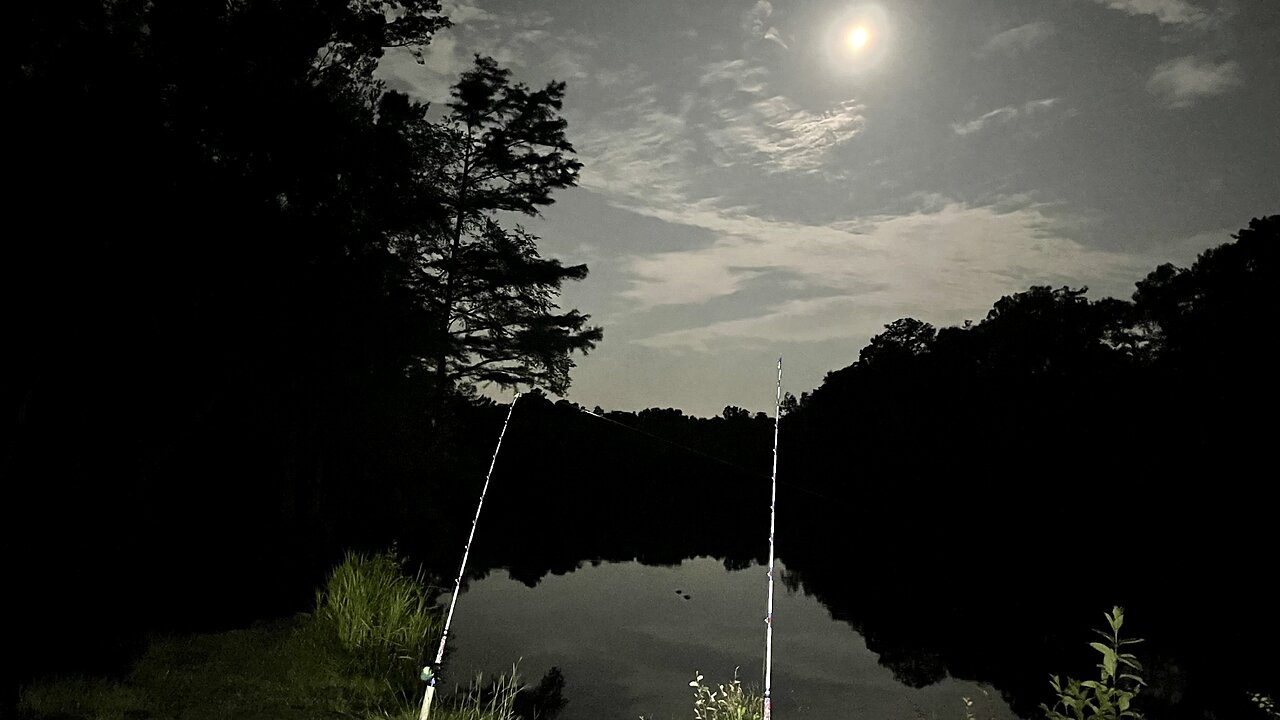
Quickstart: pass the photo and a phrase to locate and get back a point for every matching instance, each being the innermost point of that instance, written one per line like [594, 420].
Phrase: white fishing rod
[429, 673]
[773, 514]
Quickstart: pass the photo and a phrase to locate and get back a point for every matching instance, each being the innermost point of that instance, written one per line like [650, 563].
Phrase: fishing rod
[773, 515]
[430, 673]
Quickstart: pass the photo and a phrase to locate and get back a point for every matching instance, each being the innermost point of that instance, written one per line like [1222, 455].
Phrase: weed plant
[725, 702]
[495, 701]
[1111, 696]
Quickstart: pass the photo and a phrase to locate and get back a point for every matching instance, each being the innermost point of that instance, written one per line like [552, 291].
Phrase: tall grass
[381, 615]
[494, 701]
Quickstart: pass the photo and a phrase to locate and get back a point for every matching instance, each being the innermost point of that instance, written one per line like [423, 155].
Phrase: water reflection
[629, 642]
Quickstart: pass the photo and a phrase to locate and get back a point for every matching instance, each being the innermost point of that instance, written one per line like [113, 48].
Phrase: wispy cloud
[837, 256]
[1169, 12]
[524, 42]
[639, 150]
[807, 320]
[776, 135]
[655, 144]
[734, 76]
[1004, 115]
[462, 12]
[947, 265]
[1019, 39]
[771, 131]
[1186, 80]
[756, 22]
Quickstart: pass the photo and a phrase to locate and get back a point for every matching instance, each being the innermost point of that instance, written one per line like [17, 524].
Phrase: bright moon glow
[858, 40]
[858, 37]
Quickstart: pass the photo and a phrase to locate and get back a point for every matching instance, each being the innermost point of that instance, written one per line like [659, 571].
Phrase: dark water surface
[629, 642]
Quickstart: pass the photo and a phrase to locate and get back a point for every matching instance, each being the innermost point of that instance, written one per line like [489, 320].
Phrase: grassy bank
[357, 656]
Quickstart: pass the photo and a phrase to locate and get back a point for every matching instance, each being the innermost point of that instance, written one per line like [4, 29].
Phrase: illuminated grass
[382, 617]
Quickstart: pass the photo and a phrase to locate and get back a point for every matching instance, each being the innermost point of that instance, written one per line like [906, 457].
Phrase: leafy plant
[725, 702]
[1266, 705]
[1110, 697]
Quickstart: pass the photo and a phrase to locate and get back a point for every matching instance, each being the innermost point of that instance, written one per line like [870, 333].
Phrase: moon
[858, 37]
[859, 40]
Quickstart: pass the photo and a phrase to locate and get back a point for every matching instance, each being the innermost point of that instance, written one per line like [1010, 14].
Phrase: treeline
[246, 291]
[659, 486]
[1060, 455]
[1086, 410]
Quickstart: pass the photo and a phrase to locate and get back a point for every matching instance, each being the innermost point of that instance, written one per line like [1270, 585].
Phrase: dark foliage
[213, 349]
[500, 150]
[1061, 454]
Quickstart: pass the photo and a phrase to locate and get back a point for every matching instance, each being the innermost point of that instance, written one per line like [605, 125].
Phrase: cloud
[735, 75]
[1004, 115]
[1019, 39]
[959, 258]
[522, 42]
[461, 12]
[780, 137]
[771, 132]
[656, 145]
[639, 149]
[1184, 81]
[1169, 12]
[756, 22]
[808, 320]
[836, 256]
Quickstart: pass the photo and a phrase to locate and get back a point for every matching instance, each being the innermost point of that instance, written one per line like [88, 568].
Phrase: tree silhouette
[1051, 331]
[1203, 319]
[500, 150]
[901, 340]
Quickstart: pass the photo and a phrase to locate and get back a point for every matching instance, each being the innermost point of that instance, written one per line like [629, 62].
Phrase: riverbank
[286, 669]
[357, 656]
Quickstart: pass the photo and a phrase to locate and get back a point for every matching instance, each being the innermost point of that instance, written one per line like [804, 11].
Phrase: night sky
[784, 178]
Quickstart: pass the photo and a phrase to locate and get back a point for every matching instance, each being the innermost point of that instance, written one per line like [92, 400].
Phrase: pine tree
[501, 150]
